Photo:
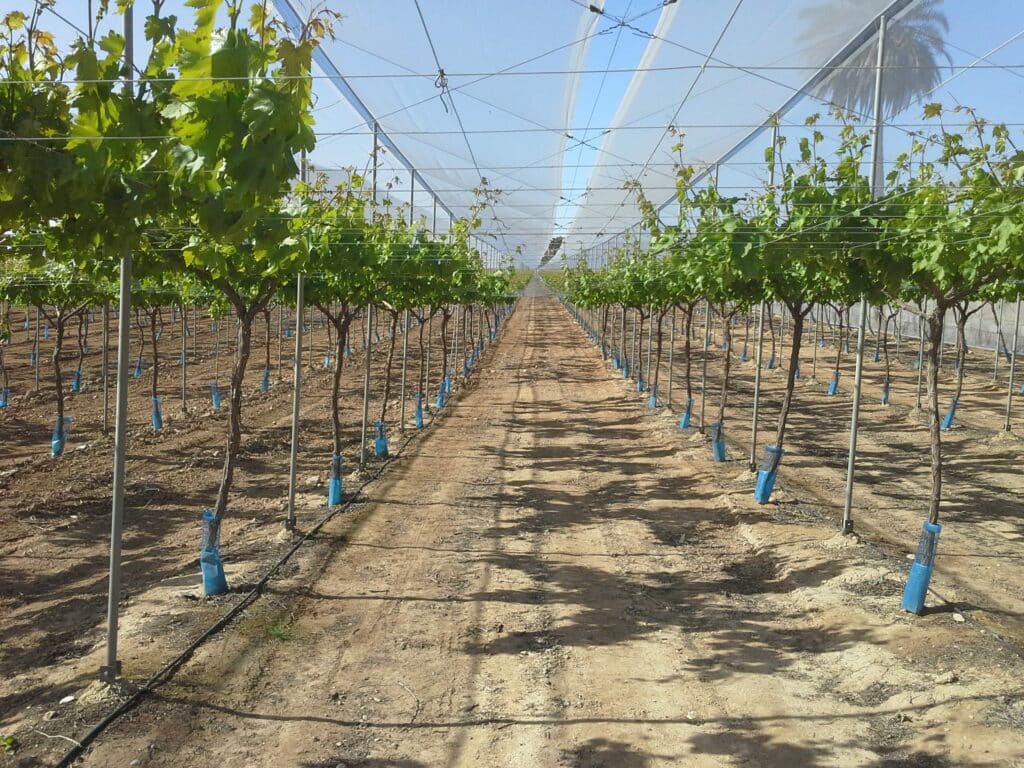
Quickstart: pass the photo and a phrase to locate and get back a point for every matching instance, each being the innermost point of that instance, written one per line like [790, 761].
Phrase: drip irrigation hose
[165, 673]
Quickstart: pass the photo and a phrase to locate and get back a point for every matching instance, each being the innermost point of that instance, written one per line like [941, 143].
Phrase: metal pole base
[847, 526]
[110, 674]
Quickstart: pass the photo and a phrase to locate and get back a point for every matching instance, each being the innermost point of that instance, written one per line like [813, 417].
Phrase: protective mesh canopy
[506, 129]
[739, 63]
[537, 105]
[715, 72]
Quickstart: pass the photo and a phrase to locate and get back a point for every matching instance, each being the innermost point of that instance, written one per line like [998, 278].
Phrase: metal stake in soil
[876, 185]
[704, 362]
[293, 458]
[757, 386]
[110, 671]
[671, 356]
[405, 356]
[184, 359]
[1013, 366]
[366, 385]
[106, 368]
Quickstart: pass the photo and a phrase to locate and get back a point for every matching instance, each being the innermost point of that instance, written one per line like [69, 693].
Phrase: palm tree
[914, 49]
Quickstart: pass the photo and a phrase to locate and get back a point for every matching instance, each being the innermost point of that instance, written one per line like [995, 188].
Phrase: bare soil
[980, 554]
[554, 575]
[55, 513]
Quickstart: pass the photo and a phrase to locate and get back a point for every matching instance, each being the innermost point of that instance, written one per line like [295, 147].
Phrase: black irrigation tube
[165, 673]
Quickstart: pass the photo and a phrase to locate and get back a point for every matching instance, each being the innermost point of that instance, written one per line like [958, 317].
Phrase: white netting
[527, 78]
[689, 79]
[507, 128]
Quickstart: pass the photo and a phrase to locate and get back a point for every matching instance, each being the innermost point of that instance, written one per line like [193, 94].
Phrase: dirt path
[556, 578]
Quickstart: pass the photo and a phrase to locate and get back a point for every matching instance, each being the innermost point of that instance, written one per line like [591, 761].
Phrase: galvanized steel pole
[293, 458]
[1013, 367]
[876, 183]
[110, 671]
[704, 363]
[757, 385]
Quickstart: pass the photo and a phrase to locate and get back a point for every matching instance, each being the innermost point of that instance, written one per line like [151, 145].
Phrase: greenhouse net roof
[475, 95]
[488, 94]
[553, 106]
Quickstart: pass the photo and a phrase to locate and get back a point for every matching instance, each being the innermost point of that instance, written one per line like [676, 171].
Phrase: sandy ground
[980, 558]
[556, 576]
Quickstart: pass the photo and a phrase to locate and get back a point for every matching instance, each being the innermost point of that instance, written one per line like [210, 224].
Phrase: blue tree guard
[288, 332]
[796, 373]
[419, 410]
[380, 442]
[76, 381]
[215, 396]
[767, 472]
[181, 358]
[210, 564]
[822, 343]
[327, 361]
[5, 396]
[465, 368]
[846, 347]
[625, 368]
[59, 438]
[743, 356]
[265, 381]
[947, 420]
[878, 355]
[439, 403]
[46, 331]
[616, 364]
[885, 391]
[684, 417]
[717, 441]
[652, 401]
[334, 487]
[725, 346]
[448, 383]
[917, 361]
[771, 361]
[833, 386]
[158, 419]
[640, 381]
[137, 373]
[921, 570]
[32, 358]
